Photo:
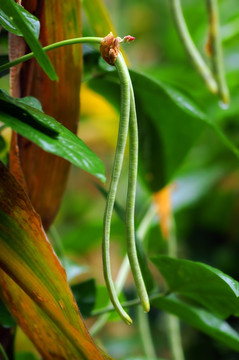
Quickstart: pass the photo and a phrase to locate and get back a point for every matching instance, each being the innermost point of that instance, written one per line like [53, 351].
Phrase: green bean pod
[118, 161]
[130, 205]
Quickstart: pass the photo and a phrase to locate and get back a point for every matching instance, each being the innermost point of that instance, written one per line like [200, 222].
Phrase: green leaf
[200, 319]
[85, 295]
[8, 23]
[6, 319]
[169, 124]
[13, 11]
[204, 284]
[47, 133]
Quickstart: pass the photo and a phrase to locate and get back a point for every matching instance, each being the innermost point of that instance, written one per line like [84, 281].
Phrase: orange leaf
[33, 282]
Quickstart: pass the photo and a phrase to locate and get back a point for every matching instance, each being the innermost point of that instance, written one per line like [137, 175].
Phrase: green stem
[216, 49]
[81, 40]
[118, 161]
[130, 207]
[190, 47]
[175, 337]
[128, 304]
[145, 333]
[3, 353]
[172, 321]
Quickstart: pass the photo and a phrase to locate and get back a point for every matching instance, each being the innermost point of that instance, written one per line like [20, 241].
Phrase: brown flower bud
[109, 48]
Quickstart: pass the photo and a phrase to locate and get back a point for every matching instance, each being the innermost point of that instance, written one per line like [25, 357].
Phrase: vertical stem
[145, 334]
[215, 44]
[190, 47]
[173, 322]
[175, 337]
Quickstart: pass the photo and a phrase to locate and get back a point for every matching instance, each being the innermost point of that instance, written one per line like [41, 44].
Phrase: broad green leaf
[48, 133]
[168, 127]
[200, 319]
[206, 285]
[169, 124]
[8, 23]
[6, 319]
[33, 283]
[85, 295]
[13, 11]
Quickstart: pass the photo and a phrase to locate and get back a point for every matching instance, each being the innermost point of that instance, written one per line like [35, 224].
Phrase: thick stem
[190, 47]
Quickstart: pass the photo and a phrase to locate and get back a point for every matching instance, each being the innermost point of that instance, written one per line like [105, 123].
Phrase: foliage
[186, 204]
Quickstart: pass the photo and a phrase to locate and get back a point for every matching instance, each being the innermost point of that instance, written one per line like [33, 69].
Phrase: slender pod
[119, 155]
[190, 47]
[130, 206]
[216, 52]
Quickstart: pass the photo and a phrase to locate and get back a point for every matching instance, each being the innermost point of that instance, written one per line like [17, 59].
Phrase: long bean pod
[119, 155]
[130, 206]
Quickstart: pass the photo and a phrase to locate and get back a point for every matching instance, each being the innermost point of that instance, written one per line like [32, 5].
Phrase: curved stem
[81, 40]
[130, 207]
[119, 155]
[216, 50]
[190, 47]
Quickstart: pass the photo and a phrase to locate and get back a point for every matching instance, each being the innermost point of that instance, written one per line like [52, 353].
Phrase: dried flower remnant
[109, 47]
